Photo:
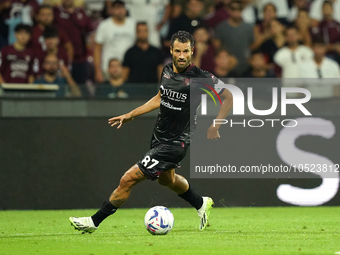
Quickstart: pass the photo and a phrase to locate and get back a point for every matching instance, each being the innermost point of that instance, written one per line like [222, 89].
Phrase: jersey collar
[186, 70]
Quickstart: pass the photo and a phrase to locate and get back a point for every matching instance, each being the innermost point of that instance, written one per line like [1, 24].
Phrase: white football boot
[84, 224]
[204, 212]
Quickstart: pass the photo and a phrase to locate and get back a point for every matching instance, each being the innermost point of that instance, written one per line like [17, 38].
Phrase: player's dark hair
[23, 27]
[114, 59]
[45, 6]
[327, 2]
[182, 37]
[270, 4]
[118, 2]
[50, 32]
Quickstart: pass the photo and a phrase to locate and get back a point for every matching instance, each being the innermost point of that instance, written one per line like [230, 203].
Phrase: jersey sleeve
[163, 75]
[216, 82]
[218, 89]
[213, 82]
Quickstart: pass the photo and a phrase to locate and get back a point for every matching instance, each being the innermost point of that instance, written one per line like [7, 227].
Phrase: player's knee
[166, 181]
[127, 180]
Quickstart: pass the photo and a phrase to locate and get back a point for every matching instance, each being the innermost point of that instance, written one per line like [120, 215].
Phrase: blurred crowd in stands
[95, 47]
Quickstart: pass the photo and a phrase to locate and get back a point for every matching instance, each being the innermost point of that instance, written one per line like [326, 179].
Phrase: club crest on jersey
[186, 82]
[166, 76]
[213, 77]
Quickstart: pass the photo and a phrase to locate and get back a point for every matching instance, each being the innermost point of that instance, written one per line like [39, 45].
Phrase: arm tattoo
[139, 173]
[118, 202]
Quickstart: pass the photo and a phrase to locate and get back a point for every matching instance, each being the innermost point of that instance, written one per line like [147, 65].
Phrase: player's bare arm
[227, 104]
[151, 105]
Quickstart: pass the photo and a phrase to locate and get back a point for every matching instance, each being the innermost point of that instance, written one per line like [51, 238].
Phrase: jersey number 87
[146, 160]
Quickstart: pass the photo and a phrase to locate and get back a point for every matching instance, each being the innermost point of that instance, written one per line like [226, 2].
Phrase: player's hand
[213, 133]
[119, 120]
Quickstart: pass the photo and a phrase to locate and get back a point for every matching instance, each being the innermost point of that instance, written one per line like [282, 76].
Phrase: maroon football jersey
[76, 26]
[40, 55]
[16, 66]
[37, 40]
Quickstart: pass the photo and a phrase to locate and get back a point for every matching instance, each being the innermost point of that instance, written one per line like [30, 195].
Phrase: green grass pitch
[277, 230]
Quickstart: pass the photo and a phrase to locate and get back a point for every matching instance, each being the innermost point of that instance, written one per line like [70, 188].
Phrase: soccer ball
[159, 220]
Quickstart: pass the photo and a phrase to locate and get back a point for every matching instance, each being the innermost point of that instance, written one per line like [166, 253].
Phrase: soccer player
[171, 136]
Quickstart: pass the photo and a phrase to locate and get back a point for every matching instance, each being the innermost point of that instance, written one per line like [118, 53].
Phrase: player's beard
[181, 66]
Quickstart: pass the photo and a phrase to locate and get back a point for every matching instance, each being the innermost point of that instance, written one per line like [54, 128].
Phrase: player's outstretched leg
[180, 185]
[118, 197]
